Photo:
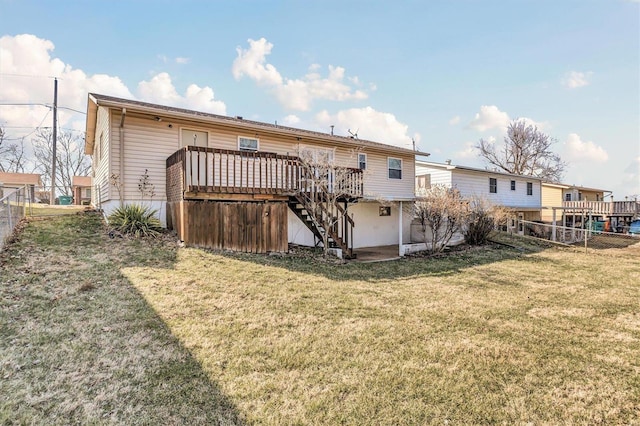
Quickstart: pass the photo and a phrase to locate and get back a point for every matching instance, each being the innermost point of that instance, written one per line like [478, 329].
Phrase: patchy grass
[78, 345]
[99, 330]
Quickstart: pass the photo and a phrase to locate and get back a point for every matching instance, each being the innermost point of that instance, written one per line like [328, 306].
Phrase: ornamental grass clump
[136, 220]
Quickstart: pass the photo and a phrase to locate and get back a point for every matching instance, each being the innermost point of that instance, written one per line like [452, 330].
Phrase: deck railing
[193, 169]
[609, 208]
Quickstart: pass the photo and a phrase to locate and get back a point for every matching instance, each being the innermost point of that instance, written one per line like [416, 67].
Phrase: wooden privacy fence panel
[250, 227]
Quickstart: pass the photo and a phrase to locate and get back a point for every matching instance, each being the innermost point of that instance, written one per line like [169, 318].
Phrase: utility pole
[52, 199]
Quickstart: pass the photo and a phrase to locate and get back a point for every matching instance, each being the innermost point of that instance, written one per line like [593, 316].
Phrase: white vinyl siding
[476, 184]
[148, 143]
[101, 160]
[371, 229]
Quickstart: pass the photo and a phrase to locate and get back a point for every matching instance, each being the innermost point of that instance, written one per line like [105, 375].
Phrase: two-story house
[228, 182]
[521, 194]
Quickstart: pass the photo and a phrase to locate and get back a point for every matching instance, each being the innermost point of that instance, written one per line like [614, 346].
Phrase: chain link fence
[593, 235]
[13, 207]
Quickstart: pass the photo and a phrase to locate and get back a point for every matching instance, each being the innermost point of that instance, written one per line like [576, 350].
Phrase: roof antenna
[331, 130]
[353, 135]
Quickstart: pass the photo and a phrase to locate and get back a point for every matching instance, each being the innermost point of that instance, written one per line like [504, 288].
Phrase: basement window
[385, 211]
[247, 144]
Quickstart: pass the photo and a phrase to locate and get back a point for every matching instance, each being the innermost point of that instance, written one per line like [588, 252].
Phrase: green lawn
[99, 330]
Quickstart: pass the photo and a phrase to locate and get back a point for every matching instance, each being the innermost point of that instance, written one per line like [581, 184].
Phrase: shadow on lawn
[409, 267]
[90, 347]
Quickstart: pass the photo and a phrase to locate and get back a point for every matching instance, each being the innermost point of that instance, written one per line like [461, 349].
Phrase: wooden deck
[209, 173]
[238, 200]
[603, 208]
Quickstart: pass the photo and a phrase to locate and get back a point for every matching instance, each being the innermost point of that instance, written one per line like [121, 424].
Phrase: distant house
[521, 194]
[227, 182]
[572, 205]
[18, 180]
[81, 187]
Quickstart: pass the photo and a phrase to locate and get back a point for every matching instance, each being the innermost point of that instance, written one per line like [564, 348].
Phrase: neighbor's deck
[604, 208]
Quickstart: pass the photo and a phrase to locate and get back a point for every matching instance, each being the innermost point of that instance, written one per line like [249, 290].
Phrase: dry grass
[36, 209]
[493, 335]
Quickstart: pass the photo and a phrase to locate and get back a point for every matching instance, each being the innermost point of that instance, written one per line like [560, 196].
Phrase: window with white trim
[362, 161]
[493, 185]
[513, 185]
[567, 196]
[395, 167]
[529, 188]
[247, 144]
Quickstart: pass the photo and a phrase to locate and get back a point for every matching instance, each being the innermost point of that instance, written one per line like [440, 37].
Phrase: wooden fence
[251, 227]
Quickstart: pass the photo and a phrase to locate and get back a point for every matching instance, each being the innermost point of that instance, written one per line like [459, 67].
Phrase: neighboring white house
[522, 194]
[127, 139]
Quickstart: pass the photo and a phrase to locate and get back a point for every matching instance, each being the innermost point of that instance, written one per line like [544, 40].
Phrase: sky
[442, 74]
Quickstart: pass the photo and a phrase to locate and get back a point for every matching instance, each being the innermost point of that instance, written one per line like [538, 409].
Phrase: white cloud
[468, 151]
[29, 55]
[296, 94]
[182, 60]
[251, 62]
[291, 120]
[489, 117]
[454, 120]
[578, 151]
[369, 124]
[161, 90]
[576, 79]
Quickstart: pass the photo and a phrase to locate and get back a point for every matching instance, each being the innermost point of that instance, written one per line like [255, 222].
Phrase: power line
[27, 75]
[33, 131]
[40, 104]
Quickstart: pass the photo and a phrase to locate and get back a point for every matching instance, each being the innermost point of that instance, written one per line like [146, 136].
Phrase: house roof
[20, 179]
[472, 169]
[81, 181]
[567, 186]
[163, 111]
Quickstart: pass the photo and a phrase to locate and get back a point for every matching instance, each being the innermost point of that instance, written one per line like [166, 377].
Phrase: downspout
[121, 130]
[400, 248]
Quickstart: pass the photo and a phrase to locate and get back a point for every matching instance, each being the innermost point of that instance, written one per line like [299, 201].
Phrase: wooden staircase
[316, 213]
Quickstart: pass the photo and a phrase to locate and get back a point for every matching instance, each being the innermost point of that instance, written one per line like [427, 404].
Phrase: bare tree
[12, 155]
[442, 212]
[526, 151]
[70, 158]
[326, 190]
